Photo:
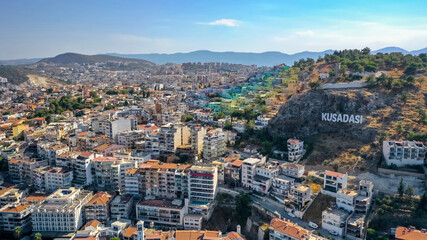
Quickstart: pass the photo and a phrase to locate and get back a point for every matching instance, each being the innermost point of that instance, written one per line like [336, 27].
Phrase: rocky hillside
[387, 114]
[301, 116]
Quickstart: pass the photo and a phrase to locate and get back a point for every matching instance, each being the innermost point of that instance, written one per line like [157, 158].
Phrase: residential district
[140, 155]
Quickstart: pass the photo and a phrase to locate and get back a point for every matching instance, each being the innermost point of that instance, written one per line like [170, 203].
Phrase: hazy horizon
[48, 28]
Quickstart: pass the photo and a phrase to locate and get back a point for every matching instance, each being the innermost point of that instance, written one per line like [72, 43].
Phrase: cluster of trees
[362, 60]
[17, 233]
[389, 82]
[59, 106]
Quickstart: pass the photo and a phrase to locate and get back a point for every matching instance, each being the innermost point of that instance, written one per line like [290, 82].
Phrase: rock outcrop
[301, 116]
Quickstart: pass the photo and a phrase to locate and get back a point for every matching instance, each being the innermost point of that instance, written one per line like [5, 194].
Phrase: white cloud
[224, 22]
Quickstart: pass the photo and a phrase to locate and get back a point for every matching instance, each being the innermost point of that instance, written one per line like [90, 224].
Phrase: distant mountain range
[69, 58]
[260, 59]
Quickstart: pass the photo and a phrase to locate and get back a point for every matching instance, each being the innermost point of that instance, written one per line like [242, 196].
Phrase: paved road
[274, 206]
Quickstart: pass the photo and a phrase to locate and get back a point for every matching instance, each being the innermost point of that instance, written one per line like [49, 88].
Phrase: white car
[313, 225]
[332, 232]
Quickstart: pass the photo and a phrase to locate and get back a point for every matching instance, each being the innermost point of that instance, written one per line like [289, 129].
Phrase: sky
[45, 28]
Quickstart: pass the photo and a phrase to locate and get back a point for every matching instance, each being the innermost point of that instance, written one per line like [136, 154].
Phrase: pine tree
[401, 188]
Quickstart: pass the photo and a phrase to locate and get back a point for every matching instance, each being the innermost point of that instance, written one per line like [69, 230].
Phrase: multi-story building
[82, 169]
[249, 171]
[62, 211]
[130, 138]
[52, 178]
[334, 220]
[197, 135]
[263, 179]
[301, 195]
[355, 226]
[364, 197]
[214, 145]
[261, 122]
[112, 127]
[193, 221]
[346, 199]
[295, 150]
[232, 173]
[132, 177]
[152, 144]
[171, 136]
[121, 207]
[161, 212]
[202, 189]
[163, 180]
[293, 170]
[109, 173]
[98, 208]
[281, 187]
[202, 183]
[401, 153]
[334, 181]
[16, 215]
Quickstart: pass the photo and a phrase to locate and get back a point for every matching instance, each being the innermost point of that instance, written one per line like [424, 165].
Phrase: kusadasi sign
[343, 118]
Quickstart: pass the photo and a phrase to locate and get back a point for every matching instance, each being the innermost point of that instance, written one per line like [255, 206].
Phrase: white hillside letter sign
[343, 118]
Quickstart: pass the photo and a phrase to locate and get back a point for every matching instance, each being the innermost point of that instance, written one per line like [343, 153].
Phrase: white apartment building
[82, 169]
[249, 167]
[152, 144]
[16, 215]
[98, 207]
[61, 211]
[403, 153]
[364, 197]
[121, 207]
[261, 122]
[293, 170]
[193, 222]
[281, 187]
[202, 183]
[112, 127]
[295, 150]
[214, 145]
[334, 220]
[263, 179]
[109, 173]
[172, 136]
[52, 178]
[161, 212]
[132, 177]
[301, 195]
[129, 138]
[346, 199]
[334, 181]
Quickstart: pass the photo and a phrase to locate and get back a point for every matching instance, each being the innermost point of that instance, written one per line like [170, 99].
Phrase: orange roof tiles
[100, 198]
[16, 209]
[289, 229]
[93, 223]
[105, 159]
[130, 231]
[403, 233]
[334, 174]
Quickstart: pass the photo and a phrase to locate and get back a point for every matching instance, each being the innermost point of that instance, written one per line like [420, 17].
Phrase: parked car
[313, 225]
[332, 232]
[291, 214]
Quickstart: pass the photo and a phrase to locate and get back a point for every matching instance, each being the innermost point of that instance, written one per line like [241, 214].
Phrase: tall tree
[401, 188]
[17, 232]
